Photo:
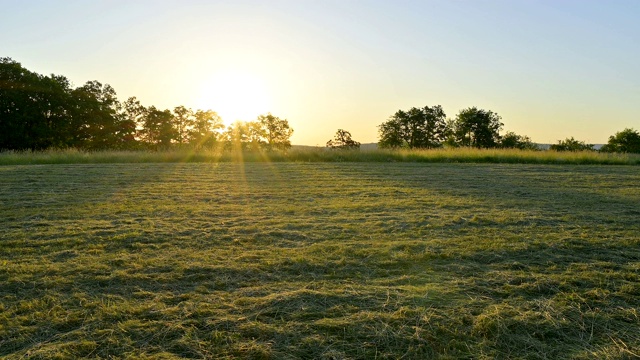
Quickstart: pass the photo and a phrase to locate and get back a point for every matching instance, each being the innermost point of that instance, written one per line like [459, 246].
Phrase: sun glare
[235, 96]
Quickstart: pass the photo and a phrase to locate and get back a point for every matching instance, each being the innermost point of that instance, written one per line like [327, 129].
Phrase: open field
[320, 260]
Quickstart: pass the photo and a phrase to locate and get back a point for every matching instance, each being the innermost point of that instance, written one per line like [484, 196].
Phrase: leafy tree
[511, 140]
[206, 128]
[133, 111]
[95, 119]
[391, 134]
[132, 117]
[276, 132]
[267, 131]
[343, 140]
[33, 108]
[183, 120]
[449, 134]
[415, 128]
[49, 113]
[38, 112]
[256, 136]
[571, 144]
[158, 130]
[478, 128]
[244, 136]
[625, 141]
[236, 135]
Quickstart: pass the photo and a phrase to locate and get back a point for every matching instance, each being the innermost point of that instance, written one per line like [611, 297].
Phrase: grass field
[313, 154]
[262, 260]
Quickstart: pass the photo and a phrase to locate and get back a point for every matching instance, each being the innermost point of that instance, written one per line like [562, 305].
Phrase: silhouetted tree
[571, 144]
[276, 132]
[267, 132]
[183, 121]
[94, 117]
[625, 141]
[478, 128]
[511, 140]
[256, 136]
[133, 116]
[206, 128]
[449, 134]
[50, 113]
[416, 128]
[34, 109]
[237, 136]
[391, 134]
[158, 130]
[343, 140]
[38, 112]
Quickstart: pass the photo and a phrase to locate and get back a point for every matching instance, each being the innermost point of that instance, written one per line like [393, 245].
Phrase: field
[342, 260]
[316, 154]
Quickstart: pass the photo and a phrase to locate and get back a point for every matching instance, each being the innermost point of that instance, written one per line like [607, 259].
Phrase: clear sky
[551, 68]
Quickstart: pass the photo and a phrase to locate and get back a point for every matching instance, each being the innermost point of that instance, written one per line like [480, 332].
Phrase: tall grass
[459, 155]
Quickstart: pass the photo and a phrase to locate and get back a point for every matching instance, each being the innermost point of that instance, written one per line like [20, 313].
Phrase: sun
[235, 95]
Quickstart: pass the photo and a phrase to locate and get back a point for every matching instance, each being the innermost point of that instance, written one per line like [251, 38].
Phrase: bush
[625, 141]
[571, 144]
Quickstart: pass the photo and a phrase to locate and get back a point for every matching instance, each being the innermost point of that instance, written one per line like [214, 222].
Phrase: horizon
[325, 66]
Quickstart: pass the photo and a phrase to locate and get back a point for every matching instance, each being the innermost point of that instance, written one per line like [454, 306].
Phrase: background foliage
[39, 112]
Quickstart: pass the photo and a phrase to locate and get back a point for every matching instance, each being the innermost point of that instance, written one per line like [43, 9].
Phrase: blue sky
[551, 69]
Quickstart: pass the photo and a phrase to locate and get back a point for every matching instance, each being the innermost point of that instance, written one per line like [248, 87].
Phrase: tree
[449, 134]
[255, 136]
[183, 121]
[571, 144]
[391, 134]
[49, 113]
[416, 128]
[478, 128]
[130, 114]
[34, 109]
[267, 132]
[275, 131]
[38, 112]
[237, 136]
[158, 131]
[511, 140]
[94, 116]
[342, 140]
[206, 128]
[625, 141]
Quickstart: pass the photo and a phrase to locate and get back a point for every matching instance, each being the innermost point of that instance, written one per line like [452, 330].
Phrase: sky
[552, 69]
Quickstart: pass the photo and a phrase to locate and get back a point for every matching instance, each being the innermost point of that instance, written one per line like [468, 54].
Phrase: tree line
[39, 112]
[428, 128]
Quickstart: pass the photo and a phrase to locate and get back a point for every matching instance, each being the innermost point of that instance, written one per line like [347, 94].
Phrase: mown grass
[319, 260]
[300, 154]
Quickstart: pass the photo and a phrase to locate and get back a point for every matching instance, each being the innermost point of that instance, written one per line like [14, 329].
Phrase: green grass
[459, 155]
[319, 260]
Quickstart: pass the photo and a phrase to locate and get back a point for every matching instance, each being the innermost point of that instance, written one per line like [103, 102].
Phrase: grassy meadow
[318, 260]
[318, 154]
